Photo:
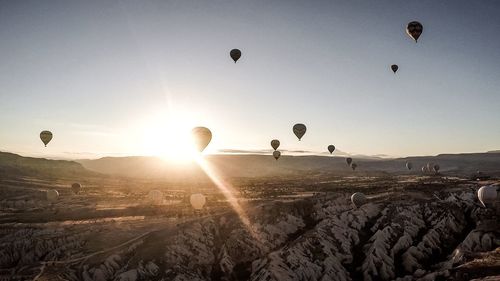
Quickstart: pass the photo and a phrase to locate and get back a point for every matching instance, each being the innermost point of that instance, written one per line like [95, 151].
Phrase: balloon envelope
[52, 195]
[76, 187]
[348, 160]
[331, 148]
[409, 165]
[197, 201]
[156, 197]
[414, 30]
[488, 195]
[394, 68]
[436, 168]
[46, 137]
[276, 154]
[235, 54]
[299, 130]
[354, 166]
[275, 144]
[201, 137]
[358, 199]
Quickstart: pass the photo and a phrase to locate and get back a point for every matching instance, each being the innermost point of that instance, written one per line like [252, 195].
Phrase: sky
[115, 78]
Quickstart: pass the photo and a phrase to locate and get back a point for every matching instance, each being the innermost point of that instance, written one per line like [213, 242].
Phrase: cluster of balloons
[430, 168]
[53, 195]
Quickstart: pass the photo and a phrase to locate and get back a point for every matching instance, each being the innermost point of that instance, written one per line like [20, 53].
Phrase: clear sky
[131, 77]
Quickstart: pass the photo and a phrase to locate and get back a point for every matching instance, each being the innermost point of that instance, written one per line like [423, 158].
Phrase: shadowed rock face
[318, 238]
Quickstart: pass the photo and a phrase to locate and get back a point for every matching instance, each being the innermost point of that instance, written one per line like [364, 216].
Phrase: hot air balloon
[197, 201]
[436, 168]
[299, 130]
[414, 30]
[489, 195]
[235, 54]
[354, 166]
[276, 154]
[348, 160]
[275, 144]
[409, 165]
[46, 137]
[201, 137]
[52, 195]
[394, 68]
[331, 148]
[423, 169]
[76, 187]
[358, 199]
[156, 197]
[429, 167]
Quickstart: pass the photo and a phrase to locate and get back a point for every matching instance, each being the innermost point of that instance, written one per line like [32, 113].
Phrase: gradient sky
[118, 77]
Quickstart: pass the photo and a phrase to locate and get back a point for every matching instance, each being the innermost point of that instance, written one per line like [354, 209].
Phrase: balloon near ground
[409, 165]
[436, 168]
[197, 201]
[394, 68]
[331, 148]
[489, 195]
[76, 187]
[52, 195]
[275, 144]
[276, 154]
[235, 54]
[348, 160]
[358, 199]
[201, 137]
[414, 30]
[299, 130]
[46, 137]
[354, 166]
[156, 197]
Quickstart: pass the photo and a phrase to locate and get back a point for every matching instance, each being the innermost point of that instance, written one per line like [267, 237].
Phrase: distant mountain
[13, 164]
[236, 165]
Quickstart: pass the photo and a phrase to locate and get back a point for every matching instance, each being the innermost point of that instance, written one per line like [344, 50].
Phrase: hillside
[265, 165]
[15, 165]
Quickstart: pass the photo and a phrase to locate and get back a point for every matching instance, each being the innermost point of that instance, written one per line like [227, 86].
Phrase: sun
[169, 137]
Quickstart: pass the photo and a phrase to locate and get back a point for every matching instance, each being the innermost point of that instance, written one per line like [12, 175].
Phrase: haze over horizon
[132, 78]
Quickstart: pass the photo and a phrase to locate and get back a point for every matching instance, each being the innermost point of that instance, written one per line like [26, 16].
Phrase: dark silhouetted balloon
[414, 30]
[354, 166]
[299, 130]
[276, 154]
[394, 68]
[348, 160]
[358, 199]
[76, 187]
[409, 165]
[201, 137]
[436, 168]
[331, 148]
[275, 144]
[46, 137]
[235, 54]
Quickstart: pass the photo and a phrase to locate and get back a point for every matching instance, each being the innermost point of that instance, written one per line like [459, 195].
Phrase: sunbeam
[228, 192]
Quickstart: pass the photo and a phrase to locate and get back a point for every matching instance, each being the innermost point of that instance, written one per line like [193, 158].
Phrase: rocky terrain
[292, 228]
[318, 238]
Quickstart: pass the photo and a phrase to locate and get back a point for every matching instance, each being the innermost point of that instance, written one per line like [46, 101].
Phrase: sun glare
[169, 137]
